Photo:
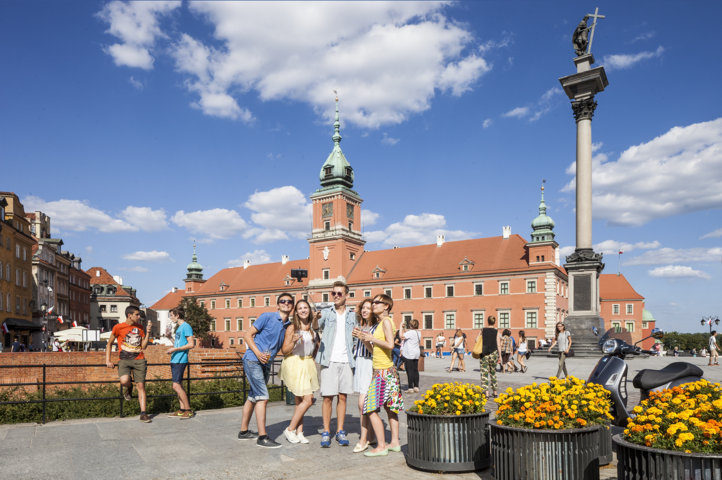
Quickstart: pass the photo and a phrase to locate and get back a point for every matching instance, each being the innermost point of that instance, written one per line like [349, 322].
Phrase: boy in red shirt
[132, 340]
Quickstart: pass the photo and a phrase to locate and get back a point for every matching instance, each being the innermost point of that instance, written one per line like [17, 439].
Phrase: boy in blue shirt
[263, 340]
[179, 360]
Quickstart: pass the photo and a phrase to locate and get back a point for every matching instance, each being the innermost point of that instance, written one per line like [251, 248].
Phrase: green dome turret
[194, 269]
[543, 225]
[336, 170]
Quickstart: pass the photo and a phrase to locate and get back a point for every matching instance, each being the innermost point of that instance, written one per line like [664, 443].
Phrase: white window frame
[481, 285]
[502, 284]
[449, 320]
[326, 273]
[227, 324]
[504, 323]
[423, 316]
[239, 323]
[629, 323]
[527, 315]
[531, 286]
[453, 290]
[407, 293]
[615, 309]
[428, 291]
[630, 309]
[477, 323]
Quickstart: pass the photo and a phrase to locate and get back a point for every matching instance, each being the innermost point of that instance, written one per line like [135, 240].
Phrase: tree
[198, 318]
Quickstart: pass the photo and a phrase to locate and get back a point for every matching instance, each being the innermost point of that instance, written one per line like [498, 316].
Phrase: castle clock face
[349, 210]
[327, 209]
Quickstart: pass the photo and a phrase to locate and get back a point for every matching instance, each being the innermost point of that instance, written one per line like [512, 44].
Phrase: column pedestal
[583, 267]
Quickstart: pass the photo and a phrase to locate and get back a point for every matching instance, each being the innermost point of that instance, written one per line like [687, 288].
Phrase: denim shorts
[177, 370]
[257, 374]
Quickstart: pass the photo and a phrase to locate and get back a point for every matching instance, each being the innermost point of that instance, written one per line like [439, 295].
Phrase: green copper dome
[336, 170]
[543, 225]
[194, 269]
[647, 316]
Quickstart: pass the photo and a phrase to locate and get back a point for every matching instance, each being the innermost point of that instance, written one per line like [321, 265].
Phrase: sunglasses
[378, 302]
[337, 294]
[286, 302]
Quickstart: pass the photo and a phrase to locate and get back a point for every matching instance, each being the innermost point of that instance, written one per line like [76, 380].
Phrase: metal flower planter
[448, 444]
[526, 454]
[606, 454]
[637, 462]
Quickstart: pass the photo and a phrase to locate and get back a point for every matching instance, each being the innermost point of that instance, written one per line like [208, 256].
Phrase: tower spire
[543, 225]
[194, 270]
[336, 171]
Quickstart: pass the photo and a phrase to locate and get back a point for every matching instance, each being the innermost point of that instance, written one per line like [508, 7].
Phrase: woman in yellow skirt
[298, 369]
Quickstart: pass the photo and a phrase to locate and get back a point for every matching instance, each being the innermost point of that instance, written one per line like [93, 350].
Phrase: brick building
[108, 299]
[622, 308]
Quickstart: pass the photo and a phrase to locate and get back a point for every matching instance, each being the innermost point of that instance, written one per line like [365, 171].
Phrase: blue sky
[141, 127]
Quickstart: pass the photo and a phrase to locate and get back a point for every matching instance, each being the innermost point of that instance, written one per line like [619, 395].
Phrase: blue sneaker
[341, 438]
[325, 440]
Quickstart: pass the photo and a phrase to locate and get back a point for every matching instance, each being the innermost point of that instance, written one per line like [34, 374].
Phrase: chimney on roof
[246, 263]
[284, 259]
[97, 273]
[440, 239]
[174, 289]
[506, 231]
[118, 279]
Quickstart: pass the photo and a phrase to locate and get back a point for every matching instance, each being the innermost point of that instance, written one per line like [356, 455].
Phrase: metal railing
[47, 381]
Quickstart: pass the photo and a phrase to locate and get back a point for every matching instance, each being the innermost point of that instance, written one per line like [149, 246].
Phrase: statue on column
[580, 37]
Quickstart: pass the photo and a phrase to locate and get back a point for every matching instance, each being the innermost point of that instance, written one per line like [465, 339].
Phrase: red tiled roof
[616, 287]
[171, 300]
[105, 279]
[492, 255]
[264, 277]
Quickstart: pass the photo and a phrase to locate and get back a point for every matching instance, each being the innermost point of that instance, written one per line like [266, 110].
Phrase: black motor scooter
[611, 373]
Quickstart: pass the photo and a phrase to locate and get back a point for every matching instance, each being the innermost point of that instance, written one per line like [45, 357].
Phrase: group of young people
[354, 353]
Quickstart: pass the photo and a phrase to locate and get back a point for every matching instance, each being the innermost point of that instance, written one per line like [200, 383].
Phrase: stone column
[584, 265]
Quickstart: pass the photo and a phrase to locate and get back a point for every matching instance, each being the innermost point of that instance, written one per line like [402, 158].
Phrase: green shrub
[161, 398]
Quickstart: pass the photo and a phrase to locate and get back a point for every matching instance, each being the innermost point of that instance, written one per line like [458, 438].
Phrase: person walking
[367, 322]
[411, 352]
[713, 349]
[522, 351]
[335, 355]
[490, 354]
[458, 350]
[263, 340]
[384, 390]
[564, 339]
[132, 341]
[298, 370]
[506, 351]
[440, 344]
[179, 360]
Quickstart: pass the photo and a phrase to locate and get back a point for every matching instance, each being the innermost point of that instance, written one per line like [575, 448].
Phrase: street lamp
[709, 321]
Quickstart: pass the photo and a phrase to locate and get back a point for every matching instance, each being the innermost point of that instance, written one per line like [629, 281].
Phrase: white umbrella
[74, 334]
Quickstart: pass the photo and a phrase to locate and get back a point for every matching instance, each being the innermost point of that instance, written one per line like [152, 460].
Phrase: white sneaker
[291, 436]
[301, 438]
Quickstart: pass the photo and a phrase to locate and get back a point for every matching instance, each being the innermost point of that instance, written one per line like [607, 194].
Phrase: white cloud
[596, 146]
[566, 251]
[76, 215]
[145, 218]
[138, 269]
[256, 257]
[369, 218]
[678, 271]
[624, 61]
[386, 140]
[136, 83]
[518, 112]
[487, 123]
[213, 224]
[714, 234]
[416, 230]
[135, 24]
[612, 247]
[389, 60]
[676, 173]
[149, 256]
[644, 36]
[280, 213]
[668, 255]
[491, 45]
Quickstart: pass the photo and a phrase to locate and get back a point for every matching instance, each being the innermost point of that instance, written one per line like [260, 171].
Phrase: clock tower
[336, 242]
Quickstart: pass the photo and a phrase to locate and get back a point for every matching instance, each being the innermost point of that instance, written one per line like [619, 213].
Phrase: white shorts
[336, 378]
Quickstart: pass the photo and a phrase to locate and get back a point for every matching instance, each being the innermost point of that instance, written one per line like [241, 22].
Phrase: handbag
[570, 353]
[527, 354]
[478, 347]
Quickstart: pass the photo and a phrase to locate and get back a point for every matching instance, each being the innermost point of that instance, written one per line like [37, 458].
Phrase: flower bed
[451, 399]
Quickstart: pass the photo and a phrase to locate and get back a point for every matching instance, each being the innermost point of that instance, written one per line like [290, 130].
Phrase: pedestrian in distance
[132, 365]
[440, 344]
[522, 353]
[367, 322]
[458, 350]
[410, 351]
[263, 341]
[384, 390]
[182, 343]
[298, 369]
[713, 349]
[564, 339]
[396, 352]
[506, 351]
[335, 355]
[15, 346]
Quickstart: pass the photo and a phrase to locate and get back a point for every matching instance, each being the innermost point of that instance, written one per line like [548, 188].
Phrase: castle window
[327, 226]
[531, 286]
[367, 293]
[478, 289]
[428, 321]
[450, 320]
[324, 297]
[227, 322]
[326, 273]
[630, 327]
[253, 301]
[407, 293]
[266, 301]
[449, 290]
[503, 288]
[427, 292]
[615, 309]
[504, 319]
[213, 304]
[388, 292]
[228, 303]
[239, 324]
[239, 302]
[478, 320]
[328, 171]
[350, 226]
[352, 256]
[531, 319]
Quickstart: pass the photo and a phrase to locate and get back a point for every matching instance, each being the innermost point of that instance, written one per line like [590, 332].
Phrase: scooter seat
[647, 379]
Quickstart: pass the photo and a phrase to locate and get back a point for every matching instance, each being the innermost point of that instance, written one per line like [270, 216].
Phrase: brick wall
[155, 354]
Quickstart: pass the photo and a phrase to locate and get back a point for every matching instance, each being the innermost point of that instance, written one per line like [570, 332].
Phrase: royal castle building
[445, 285]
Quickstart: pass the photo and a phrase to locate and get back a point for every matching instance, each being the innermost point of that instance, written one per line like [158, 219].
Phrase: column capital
[584, 109]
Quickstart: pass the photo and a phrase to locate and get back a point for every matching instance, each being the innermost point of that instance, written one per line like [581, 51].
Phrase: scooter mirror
[595, 330]
[657, 333]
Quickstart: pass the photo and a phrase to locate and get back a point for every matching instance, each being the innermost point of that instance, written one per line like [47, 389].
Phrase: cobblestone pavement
[206, 446]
